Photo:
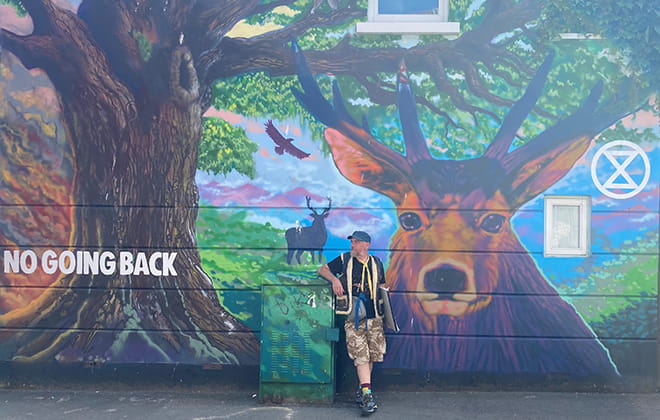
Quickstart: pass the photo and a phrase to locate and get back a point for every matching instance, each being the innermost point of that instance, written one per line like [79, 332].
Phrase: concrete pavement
[101, 404]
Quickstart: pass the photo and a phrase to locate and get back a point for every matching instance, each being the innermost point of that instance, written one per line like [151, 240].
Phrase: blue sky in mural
[616, 223]
[407, 6]
[283, 181]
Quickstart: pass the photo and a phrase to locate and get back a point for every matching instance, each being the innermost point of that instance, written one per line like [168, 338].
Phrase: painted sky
[277, 196]
[283, 181]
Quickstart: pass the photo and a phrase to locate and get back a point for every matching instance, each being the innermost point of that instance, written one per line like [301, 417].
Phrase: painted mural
[162, 160]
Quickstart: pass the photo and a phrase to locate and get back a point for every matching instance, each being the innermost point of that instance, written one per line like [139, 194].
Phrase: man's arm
[337, 288]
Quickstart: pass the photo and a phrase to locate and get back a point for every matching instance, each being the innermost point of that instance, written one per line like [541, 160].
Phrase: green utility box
[297, 343]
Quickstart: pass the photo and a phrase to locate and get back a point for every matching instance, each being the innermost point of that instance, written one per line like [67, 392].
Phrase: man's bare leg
[364, 372]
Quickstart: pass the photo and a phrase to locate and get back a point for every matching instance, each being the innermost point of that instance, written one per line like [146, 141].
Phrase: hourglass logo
[623, 166]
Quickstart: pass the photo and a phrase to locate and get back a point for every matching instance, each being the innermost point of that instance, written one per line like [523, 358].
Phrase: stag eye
[410, 221]
[492, 223]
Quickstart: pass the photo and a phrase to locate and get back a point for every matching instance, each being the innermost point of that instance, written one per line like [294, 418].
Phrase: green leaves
[460, 118]
[621, 132]
[261, 96]
[233, 249]
[630, 27]
[628, 279]
[144, 45]
[225, 148]
[18, 5]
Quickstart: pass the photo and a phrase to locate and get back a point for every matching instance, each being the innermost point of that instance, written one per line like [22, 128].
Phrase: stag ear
[367, 167]
[537, 165]
[538, 174]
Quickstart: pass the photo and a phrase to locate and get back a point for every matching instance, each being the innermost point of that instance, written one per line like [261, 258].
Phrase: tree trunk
[134, 181]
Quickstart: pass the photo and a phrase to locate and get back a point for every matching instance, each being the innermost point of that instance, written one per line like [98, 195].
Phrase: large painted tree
[133, 81]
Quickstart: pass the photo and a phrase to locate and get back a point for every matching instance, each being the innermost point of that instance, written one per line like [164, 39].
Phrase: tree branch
[315, 20]
[439, 77]
[59, 45]
[385, 97]
[30, 49]
[207, 24]
[269, 53]
[40, 12]
[380, 92]
[104, 17]
[268, 7]
[499, 18]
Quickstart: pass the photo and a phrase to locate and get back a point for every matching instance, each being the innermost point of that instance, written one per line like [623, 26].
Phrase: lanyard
[365, 269]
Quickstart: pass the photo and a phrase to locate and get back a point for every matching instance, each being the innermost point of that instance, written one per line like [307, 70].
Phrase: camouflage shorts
[365, 345]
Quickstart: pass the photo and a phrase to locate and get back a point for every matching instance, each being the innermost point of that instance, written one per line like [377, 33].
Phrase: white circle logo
[621, 167]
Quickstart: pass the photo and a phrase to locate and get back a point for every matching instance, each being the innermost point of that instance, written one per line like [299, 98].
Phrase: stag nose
[446, 279]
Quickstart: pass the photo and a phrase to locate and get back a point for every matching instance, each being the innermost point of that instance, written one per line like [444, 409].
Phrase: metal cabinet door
[296, 334]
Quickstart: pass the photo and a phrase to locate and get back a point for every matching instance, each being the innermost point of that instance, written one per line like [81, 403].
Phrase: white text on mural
[86, 262]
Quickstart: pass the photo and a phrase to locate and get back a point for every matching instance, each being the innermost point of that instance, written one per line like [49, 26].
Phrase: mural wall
[163, 160]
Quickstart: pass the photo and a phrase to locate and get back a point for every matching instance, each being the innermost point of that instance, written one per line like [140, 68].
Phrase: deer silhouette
[310, 238]
[468, 295]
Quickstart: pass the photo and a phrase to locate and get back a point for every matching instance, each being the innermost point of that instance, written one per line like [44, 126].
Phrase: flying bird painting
[283, 144]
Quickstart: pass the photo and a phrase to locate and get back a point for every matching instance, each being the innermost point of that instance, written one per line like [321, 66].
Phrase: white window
[567, 230]
[407, 10]
[408, 16]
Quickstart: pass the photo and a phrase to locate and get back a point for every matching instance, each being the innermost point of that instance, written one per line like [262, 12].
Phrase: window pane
[408, 7]
[566, 228]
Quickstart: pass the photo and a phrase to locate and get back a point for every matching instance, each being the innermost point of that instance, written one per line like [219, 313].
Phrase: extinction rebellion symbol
[623, 166]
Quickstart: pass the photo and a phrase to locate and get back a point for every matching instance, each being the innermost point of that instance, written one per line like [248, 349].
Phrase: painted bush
[134, 134]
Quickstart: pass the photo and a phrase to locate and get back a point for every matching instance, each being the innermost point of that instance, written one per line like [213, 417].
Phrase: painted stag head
[452, 246]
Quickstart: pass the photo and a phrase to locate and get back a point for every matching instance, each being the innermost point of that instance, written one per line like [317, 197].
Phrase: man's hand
[325, 272]
[337, 287]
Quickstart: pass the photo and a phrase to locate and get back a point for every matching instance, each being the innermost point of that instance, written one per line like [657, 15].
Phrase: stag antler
[499, 147]
[416, 147]
[520, 174]
[341, 124]
[309, 206]
[327, 209]
[555, 149]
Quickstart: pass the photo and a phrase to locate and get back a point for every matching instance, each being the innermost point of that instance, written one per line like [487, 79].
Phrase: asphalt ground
[101, 404]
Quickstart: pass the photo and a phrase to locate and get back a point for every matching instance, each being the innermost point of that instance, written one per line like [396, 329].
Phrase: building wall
[458, 224]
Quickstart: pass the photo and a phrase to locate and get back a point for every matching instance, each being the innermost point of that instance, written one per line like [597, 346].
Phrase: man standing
[365, 338]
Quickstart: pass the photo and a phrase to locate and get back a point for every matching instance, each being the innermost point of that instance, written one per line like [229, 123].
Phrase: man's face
[359, 246]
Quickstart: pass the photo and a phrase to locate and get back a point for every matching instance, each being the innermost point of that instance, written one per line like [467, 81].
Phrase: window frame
[378, 23]
[583, 203]
[441, 16]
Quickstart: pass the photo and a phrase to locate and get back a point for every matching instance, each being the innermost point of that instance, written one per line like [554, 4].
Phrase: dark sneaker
[358, 398]
[368, 405]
